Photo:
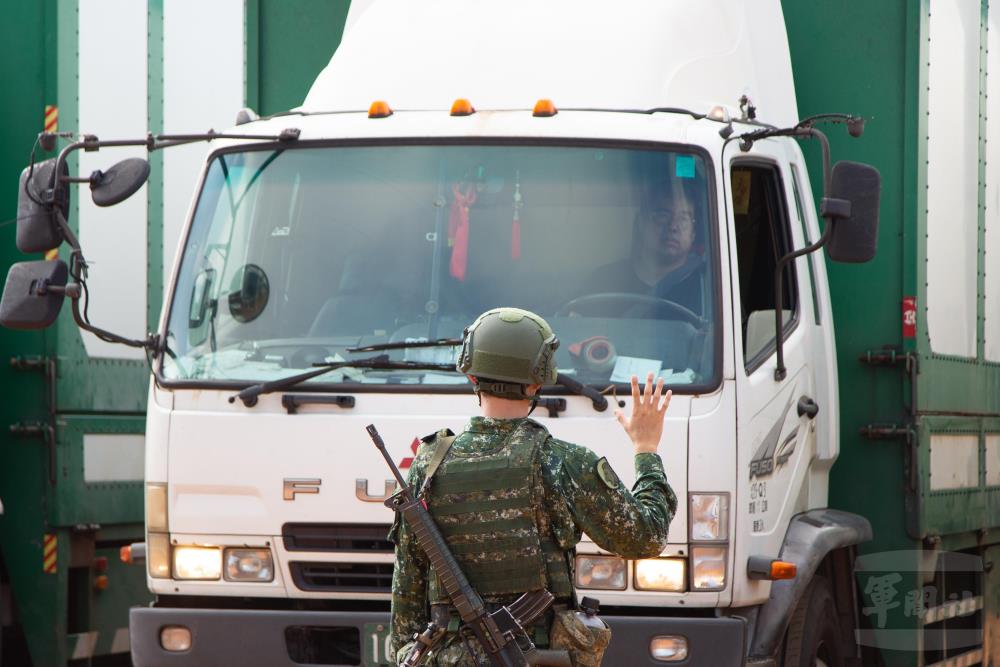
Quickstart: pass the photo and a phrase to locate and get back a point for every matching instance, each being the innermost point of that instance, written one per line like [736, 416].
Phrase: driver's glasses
[667, 217]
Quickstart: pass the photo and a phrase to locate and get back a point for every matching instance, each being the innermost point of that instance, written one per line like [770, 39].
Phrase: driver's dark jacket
[572, 498]
[682, 286]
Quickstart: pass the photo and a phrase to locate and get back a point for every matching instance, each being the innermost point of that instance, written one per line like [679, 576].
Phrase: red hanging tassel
[515, 226]
[458, 230]
[515, 238]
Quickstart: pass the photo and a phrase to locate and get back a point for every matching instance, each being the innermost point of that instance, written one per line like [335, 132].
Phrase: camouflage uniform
[577, 493]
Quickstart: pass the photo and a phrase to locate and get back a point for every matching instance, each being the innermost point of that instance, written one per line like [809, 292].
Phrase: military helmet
[509, 348]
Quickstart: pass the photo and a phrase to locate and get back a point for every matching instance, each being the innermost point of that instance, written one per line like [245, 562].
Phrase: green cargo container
[71, 422]
[913, 402]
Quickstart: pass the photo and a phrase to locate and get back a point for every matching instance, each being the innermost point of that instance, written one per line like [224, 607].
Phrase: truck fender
[810, 537]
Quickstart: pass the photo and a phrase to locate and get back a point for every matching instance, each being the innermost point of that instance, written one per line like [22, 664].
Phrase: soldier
[512, 501]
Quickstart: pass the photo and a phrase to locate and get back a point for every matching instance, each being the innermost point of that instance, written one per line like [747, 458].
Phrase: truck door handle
[808, 407]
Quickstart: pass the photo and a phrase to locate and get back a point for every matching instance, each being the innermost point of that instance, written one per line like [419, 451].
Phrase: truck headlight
[249, 565]
[602, 572]
[709, 517]
[660, 574]
[192, 562]
[708, 568]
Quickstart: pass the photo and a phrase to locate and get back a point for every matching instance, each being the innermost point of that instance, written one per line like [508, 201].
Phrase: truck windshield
[294, 256]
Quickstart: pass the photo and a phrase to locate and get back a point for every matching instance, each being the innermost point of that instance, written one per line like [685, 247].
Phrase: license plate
[375, 639]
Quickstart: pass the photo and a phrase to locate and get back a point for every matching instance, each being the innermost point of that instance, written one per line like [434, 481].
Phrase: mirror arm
[152, 341]
[68, 234]
[825, 146]
[780, 372]
[152, 142]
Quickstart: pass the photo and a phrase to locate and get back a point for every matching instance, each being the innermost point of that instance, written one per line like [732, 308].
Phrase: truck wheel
[813, 638]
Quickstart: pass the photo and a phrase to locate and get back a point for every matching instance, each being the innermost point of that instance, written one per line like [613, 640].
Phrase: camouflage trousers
[452, 652]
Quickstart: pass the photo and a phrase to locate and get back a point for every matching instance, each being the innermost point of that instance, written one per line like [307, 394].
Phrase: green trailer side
[873, 59]
[60, 533]
[54, 387]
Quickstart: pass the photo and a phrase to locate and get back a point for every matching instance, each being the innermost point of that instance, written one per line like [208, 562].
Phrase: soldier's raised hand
[645, 425]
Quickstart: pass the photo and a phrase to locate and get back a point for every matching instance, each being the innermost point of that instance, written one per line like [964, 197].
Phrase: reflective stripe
[120, 643]
[50, 545]
[83, 645]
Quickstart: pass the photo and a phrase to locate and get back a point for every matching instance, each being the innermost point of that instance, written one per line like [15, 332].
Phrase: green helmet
[509, 348]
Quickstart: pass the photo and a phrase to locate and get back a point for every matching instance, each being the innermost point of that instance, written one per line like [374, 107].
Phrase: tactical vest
[484, 504]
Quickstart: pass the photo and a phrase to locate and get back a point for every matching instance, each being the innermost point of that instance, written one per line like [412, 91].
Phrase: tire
[814, 638]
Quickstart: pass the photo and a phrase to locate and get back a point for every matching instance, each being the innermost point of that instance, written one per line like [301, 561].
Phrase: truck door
[771, 435]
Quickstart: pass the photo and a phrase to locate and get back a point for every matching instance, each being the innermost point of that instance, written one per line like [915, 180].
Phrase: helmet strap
[511, 390]
[534, 404]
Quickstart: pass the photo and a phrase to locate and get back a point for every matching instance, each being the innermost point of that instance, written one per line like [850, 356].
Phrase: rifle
[501, 633]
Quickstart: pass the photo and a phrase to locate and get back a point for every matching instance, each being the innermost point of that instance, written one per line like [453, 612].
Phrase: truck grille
[365, 537]
[342, 577]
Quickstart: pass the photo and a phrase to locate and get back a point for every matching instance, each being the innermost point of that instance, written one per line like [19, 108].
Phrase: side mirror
[33, 294]
[249, 295]
[200, 298]
[854, 236]
[37, 228]
[119, 182]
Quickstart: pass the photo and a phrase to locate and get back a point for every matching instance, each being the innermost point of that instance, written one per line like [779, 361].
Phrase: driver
[665, 262]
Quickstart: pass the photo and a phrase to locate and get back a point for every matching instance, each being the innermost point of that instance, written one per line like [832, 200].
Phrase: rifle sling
[444, 444]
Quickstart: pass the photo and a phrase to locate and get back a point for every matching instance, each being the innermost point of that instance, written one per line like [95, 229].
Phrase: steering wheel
[675, 309]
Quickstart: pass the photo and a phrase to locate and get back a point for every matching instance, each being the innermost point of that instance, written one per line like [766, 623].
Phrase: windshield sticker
[626, 367]
[679, 377]
[442, 378]
[684, 166]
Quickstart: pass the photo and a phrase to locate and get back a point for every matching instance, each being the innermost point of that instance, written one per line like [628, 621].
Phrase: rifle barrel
[377, 439]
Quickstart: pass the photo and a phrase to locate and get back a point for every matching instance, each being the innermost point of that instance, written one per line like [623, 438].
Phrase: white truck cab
[459, 156]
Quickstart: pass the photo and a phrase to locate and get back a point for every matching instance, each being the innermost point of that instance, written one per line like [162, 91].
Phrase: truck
[833, 437]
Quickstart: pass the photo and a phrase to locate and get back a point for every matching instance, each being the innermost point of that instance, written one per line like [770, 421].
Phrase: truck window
[296, 255]
[762, 237]
[800, 212]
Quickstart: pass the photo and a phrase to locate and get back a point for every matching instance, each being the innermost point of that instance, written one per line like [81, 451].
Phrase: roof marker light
[719, 113]
[462, 107]
[544, 108]
[379, 109]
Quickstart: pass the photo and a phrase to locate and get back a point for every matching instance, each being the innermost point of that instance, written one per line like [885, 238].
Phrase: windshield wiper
[405, 345]
[597, 398]
[381, 362]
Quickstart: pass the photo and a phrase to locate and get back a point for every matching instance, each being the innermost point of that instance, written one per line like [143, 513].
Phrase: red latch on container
[909, 317]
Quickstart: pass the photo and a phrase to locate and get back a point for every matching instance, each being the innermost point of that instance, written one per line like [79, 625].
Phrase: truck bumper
[252, 638]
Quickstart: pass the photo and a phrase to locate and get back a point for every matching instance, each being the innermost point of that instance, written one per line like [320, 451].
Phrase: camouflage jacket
[579, 493]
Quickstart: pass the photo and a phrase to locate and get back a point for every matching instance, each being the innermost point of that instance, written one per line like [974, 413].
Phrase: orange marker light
[379, 109]
[544, 108]
[783, 570]
[101, 582]
[125, 554]
[462, 107]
